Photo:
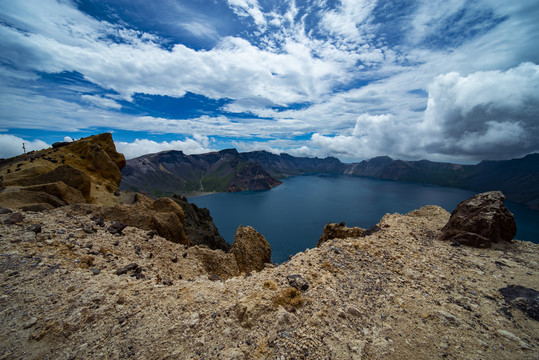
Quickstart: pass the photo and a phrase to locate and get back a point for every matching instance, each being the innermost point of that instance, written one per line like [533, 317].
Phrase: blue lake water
[292, 215]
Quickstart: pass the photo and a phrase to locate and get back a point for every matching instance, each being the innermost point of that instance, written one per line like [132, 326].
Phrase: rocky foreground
[72, 287]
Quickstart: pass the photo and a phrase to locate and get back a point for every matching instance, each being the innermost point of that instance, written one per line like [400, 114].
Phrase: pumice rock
[480, 221]
[250, 249]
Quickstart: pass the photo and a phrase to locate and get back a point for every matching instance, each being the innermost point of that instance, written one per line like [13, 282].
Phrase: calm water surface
[292, 215]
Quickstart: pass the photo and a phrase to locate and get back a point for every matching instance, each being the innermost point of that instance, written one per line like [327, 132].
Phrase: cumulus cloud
[11, 145]
[485, 114]
[195, 145]
[371, 136]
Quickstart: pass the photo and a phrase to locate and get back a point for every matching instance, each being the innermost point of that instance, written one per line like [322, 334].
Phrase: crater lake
[292, 216]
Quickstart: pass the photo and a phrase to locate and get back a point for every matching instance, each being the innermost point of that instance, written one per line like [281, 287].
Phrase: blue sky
[449, 80]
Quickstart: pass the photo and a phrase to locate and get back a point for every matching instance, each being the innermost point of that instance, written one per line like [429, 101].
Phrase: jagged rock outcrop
[75, 178]
[90, 166]
[480, 221]
[339, 231]
[41, 197]
[199, 226]
[250, 249]
[163, 215]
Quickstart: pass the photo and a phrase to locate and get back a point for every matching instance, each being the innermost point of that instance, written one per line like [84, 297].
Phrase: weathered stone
[480, 221]
[23, 198]
[199, 226]
[4, 210]
[339, 231]
[37, 207]
[448, 318]
[289, 296]
[250, 249]
[116, 228]
[163, 216]
[14, 218]
[90, 165]
[298, 282]
[522, 298]
[36, 228]
[216, 262]
[66, 193]
[67, 174]
[125, 269]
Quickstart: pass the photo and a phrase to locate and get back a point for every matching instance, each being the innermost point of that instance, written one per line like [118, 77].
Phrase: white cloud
[330, 67]
[11, 145]
[196, 145]
[250, 8]
[371, 136]
[102, 102]
[487, 113]
[350, 20]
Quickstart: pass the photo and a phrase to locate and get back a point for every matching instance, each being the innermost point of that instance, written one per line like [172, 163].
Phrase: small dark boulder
[14, 218]
[480, 221]
[60, 144]
[125, 269]
[4, 210]
[36, 228]
[522, 298]
[116, 228]
[298, 282]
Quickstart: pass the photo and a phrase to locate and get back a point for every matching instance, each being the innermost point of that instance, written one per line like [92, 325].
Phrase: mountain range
[173, 172]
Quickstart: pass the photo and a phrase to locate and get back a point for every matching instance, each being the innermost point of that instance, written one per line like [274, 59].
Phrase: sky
[450, 80]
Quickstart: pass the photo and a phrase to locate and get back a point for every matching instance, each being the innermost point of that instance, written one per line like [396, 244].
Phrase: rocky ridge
[69, 292]
[172, 172]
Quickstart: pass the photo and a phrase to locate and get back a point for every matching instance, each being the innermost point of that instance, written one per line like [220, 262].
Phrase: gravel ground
[69, 289]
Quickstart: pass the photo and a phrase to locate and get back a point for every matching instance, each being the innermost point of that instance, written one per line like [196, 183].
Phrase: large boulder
[480, 221]
[250, 249]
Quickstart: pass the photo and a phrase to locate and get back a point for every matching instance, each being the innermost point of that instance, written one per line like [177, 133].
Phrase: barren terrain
[66, 292]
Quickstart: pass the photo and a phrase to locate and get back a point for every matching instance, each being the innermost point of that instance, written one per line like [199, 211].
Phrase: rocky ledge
[76, 287]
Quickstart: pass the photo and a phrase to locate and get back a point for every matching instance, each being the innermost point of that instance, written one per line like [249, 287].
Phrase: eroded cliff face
[72, 288]
[87, 170]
